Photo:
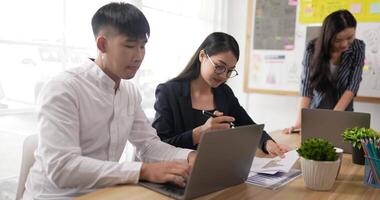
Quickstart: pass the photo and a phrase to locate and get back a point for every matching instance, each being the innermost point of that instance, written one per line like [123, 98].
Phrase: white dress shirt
[84, 126]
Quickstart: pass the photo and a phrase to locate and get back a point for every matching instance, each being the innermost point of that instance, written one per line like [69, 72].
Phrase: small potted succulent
[319, 163]
[354, 135]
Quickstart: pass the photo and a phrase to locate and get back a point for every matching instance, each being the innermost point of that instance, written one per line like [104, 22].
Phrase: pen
[209, 114]
[296, 130]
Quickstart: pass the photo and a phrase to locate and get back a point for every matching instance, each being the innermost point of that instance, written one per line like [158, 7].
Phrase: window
[177, 29]
[42, 38]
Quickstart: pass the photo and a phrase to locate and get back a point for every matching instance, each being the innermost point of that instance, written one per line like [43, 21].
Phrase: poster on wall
[274, 25]
[370, 34]
[272, 47]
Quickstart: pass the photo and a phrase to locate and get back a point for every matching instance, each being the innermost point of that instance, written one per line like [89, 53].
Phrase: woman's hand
[292, 129]
[275, 149]
[212, 124]
[217, 123]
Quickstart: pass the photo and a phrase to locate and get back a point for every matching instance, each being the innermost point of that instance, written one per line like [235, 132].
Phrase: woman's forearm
[344, 101]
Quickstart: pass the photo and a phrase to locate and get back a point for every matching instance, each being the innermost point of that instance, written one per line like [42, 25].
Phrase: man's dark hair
[124, 18]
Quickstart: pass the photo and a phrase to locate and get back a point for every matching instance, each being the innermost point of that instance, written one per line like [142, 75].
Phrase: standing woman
[201, 86]
[332, 67]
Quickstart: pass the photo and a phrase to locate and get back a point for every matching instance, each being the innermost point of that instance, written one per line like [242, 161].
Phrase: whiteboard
[273, 60]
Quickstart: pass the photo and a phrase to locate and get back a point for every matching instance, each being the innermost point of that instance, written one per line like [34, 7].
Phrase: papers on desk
[274, 165]
[273, 181]
[273, 172]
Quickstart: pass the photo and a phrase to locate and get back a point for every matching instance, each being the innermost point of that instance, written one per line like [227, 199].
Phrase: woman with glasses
[201, 86]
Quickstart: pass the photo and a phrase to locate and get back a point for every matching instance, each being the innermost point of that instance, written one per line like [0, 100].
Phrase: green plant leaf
[356, 134]
[317, 149]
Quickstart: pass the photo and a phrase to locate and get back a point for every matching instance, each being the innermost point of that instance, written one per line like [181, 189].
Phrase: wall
[277, 112]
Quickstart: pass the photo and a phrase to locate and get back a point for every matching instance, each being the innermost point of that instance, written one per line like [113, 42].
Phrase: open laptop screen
[329, 125]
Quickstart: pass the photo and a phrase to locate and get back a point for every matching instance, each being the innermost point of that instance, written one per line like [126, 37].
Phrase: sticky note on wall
[356, 8]
[375, 8]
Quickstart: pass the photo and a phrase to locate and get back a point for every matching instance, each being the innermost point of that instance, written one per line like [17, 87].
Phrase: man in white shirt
[87, 114]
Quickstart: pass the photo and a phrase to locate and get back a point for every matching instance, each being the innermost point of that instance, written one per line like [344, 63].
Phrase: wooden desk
[349, 185]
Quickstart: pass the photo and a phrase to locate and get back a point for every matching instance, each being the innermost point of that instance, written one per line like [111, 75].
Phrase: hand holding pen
[209, 114]
[216, 121]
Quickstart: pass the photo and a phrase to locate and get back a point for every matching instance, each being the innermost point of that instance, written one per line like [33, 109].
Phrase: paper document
[273, 181]
[274, 165]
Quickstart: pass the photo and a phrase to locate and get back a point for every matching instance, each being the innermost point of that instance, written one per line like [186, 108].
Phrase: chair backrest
[29, 146]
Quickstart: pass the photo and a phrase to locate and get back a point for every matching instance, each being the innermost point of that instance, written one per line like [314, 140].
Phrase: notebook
[224, 159]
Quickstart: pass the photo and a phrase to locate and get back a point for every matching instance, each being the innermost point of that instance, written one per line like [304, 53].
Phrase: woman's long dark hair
[321, 77]
[214, 43]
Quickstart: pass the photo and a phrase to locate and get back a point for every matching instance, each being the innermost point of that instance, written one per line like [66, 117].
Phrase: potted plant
[354, 135]
[319, 163]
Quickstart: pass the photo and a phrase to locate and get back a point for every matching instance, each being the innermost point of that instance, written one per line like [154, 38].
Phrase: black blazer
[174, 120]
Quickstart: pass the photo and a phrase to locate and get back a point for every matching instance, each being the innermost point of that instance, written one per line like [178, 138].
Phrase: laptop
[224, 159]
[329, 125]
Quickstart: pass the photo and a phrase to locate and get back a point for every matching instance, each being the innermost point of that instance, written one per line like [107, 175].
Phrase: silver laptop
[224, 159]
[329, 125]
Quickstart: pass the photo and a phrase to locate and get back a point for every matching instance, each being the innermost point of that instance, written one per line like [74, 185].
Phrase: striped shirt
[348, 76]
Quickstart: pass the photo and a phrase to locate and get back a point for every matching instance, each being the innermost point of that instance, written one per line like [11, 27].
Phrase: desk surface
[349, 185]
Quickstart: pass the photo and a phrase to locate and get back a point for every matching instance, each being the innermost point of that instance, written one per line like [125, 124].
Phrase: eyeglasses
[218, 69]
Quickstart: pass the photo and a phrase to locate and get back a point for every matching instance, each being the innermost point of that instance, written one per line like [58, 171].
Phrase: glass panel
[41, 38]
[38, 21]
[172, 43]
[78, 30]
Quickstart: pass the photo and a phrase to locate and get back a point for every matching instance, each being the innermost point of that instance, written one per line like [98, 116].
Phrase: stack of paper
[273, 172]
[273, 181]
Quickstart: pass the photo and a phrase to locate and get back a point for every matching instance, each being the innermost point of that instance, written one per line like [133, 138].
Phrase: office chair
[29, 146]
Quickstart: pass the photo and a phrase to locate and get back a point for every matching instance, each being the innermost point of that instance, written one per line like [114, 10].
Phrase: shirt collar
[103, 77]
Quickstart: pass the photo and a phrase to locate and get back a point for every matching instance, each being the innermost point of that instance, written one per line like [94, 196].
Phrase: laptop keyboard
[173, 189]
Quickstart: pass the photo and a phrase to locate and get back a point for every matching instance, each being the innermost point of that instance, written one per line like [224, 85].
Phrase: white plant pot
[319, 175]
